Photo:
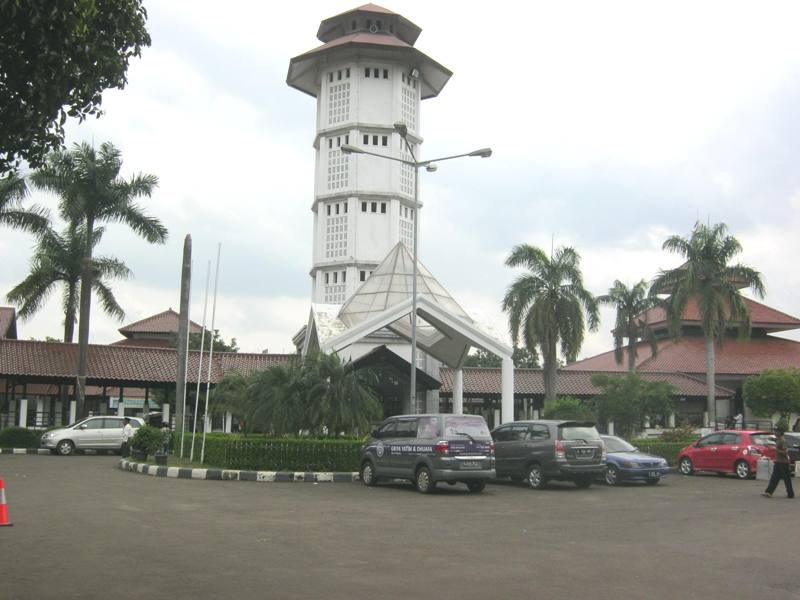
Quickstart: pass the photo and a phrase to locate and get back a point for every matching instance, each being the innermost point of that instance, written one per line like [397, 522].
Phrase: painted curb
[24, 451]
[234, 475]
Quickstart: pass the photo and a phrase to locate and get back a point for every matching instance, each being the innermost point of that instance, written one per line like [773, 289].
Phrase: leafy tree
[774, 391]
[220, 345]
[522, 357]
[13, 190]
[230, 395]
[90, 192]
[571, 408]
[709, 279]
[631, 304]
[274, 400]
[628, 400]
[546, 307]
[56, 59]
[58, 259]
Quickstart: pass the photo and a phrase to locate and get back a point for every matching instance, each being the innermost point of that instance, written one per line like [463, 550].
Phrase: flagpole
[210, 355]
[185, 368]
[200, 367]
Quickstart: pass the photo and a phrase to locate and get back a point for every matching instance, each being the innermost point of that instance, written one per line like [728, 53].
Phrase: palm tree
[631, 304]
[13, 190]
[273, 400]
[339, 396]
[708, 278]
[92, 192]
[58, 259]
[546, 307]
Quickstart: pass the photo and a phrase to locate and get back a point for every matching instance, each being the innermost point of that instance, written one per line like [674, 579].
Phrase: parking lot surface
[84, 529]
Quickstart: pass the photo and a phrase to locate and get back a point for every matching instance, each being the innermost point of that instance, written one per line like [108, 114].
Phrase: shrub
[683, 434]
[571, 408]
[667, 450]
[19, 437]
[148, 439]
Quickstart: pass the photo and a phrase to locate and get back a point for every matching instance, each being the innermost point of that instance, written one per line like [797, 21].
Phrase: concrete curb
[24, 451]
[235, 475]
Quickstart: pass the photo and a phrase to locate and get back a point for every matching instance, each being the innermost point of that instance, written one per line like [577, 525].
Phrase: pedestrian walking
[780, 469]
[127, 434]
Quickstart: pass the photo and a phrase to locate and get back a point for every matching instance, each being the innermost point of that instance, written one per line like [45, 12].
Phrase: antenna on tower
[552, 244]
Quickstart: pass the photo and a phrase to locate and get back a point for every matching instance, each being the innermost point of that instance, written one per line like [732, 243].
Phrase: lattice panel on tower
[338, 102]
[407, 227]
[336, 236]
[407, 173]
[334, 293]
[409, 103]
[338, 169]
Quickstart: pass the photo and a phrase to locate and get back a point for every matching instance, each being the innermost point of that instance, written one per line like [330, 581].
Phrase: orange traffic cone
[3, 509]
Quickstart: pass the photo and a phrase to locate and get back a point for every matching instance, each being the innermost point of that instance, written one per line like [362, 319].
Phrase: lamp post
[429, 165]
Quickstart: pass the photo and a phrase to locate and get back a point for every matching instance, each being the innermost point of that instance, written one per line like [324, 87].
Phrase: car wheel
[65, 447]
[423, 481]
[612, 475]
[368, 476]
[476, 486]
[685, 466]
[742, 469]
[535, 477]
[651, 481]
[583, 482]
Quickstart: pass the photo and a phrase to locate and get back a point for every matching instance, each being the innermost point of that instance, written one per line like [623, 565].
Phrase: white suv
[95, 433]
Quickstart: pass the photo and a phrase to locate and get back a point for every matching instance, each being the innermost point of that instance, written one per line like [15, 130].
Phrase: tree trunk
[631, 355]
[711, 401]
[69, 315]
[550, 373]
[83, 323]
[183, 336]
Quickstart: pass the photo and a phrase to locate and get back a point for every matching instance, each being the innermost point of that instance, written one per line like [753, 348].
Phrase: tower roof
[342, 23]
[163, 322]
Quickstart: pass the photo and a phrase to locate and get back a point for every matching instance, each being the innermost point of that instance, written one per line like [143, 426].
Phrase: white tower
[366, 77]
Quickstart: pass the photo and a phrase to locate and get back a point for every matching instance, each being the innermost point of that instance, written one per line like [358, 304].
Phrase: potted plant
[146, 441]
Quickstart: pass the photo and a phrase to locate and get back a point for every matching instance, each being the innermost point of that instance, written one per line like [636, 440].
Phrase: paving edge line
[236, 475]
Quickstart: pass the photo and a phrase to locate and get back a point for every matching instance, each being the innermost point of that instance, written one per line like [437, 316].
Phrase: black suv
[430, 448]
[539, 451]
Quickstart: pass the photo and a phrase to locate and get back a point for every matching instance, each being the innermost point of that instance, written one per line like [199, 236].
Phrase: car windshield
[579, 432]
[615, 444]
[473, 427]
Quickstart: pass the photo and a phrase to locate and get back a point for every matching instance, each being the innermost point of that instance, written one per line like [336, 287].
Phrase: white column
[121, 408]
[228, 422]
[207, 424]
[73, 410]
[165, 414]
[507, 396]
[671, 420]
[705, 419]
[23, 412]
[611, 428]
[535, 416]
[458, 392]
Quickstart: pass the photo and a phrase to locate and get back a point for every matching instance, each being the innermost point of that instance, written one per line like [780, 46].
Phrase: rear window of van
[471, 425]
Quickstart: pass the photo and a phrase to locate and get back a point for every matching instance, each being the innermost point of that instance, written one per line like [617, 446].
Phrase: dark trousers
[781, 471]
[125, 449]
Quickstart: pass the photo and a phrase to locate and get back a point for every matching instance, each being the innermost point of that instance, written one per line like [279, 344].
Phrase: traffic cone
[3, 509]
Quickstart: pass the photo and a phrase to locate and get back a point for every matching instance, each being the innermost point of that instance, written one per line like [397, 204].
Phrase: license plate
[654, 474]
[470, 464]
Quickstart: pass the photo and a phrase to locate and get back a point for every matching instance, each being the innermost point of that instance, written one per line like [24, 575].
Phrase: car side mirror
[83, 426]
[375, 433]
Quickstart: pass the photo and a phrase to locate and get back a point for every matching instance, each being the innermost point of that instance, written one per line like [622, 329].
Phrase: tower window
[383, 208]
[339, 75]
[386, 73]
[337, 208]
[366, 140]
[353, 25]
[330, 77]
[330, 142]
[385, 140]
[363, 207]
[345, 208]
[344, 276]
[374, 140]
[369, 23]
[347, 72]
[412, 214]
[336, 277]
[373, 207]
[347, 139]
[376, 73]
[362, 275]
[327, 279]
[366, 72]
[338, 141]
[380, 25]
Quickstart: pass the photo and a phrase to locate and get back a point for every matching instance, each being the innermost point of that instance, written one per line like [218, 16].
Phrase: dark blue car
[626, 463]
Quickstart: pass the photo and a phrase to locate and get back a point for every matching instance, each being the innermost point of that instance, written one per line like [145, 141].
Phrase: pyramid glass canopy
[391, 283]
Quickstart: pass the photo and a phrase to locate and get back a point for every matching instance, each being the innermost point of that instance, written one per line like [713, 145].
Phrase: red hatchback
[723, 452]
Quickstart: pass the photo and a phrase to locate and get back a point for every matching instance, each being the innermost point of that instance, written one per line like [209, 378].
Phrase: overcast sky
[613, 125]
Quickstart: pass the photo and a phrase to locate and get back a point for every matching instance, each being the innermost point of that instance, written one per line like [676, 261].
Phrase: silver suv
[94, 433]
[430, 448]
[540, 451]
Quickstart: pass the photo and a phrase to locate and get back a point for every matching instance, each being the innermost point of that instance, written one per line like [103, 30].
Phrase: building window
[347, 139]
[383, 208]
[339, 75]
[336, 277]
[330, 77]
[337, 208]
[362, 275]
[366, 72]
[338, 100]
[329, 209]
[374, 140]
[369, 23]
[386, 73]
[330, 142]
[344, 276]
[353, 25]
[345, 208]
[363, 207]
[366, 140]
[376, 73]
[347, 72]
[385, 140]
[373, 207]
[327, 278]
[380, 25]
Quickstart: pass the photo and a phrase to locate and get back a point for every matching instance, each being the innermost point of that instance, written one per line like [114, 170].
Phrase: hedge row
[667, 450]
[19, 437]
[262, 453]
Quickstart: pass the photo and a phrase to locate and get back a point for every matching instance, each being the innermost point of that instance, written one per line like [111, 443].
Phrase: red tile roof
[761, 316]
[530, 382]
[688, 355]
[360, 37]
[144, 342]
[164, 322]
[128, 364]
[8, 323]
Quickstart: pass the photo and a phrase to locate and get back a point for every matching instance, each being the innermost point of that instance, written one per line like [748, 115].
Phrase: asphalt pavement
[84, 529]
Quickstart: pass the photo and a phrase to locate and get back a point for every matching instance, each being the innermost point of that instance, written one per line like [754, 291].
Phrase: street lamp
[429, 165]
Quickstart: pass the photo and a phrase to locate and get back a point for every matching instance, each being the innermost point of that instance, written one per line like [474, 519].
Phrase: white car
[94, 433]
